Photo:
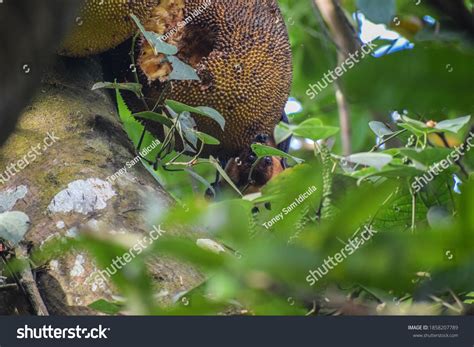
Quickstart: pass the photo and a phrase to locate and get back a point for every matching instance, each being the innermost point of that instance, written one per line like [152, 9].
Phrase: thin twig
[28, 284]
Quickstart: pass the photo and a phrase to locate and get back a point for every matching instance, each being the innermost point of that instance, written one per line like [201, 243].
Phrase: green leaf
[264, 151]
[13, 226]
[282, 132]
[453, 125]
[376, 160]
[105, 306]
[131, 87]
[181, 71]
[380, 129]
[415, 123]
[155, 117]
[187, 125]
[428, 78]
[394, 170]
[426, 156]
[212, 113]
[207, 139]
[155, 41]
[223, 173]
[312, 129]
[201, 110]
[416, 127]
[200, 179]
[377, 11]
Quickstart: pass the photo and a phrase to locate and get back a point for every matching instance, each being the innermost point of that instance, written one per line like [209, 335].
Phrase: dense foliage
[409, 112]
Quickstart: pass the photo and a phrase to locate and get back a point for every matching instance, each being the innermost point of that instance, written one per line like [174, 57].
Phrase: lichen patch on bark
[82, 196]
[9, 197]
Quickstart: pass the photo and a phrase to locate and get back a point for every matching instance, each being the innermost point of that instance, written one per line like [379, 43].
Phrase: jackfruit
[103, 24]
[240, 49]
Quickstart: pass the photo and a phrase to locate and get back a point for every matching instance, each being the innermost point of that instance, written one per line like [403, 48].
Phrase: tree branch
[28, 284]
[346, 41]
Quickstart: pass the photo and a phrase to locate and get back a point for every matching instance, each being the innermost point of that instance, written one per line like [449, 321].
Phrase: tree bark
[64, 188]
[30, 32]
[346, 40]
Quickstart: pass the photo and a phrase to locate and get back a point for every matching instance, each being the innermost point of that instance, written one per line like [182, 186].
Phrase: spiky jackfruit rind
[104, 24]
[242, 54]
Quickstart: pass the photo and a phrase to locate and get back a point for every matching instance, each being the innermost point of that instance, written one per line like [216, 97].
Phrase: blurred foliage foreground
[258, 252]
[418, 261]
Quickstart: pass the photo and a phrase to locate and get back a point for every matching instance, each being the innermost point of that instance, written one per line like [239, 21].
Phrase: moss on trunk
[89, 145]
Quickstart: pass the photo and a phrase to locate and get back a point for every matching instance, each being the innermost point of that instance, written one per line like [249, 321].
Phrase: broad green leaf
[155, 41]
[212, 113]
[376, 160]
[187, 250]
[207, 139]
[201, 110]
[415, 123]
[312, 129]
[187, 126]
[453, 125]
[394, 170]
[224, 174]
[380, 129]
[155, 117]
[263, 151]
[282, 132]
[416, 127]
[181, 71]
[426, 156]
[131, 87]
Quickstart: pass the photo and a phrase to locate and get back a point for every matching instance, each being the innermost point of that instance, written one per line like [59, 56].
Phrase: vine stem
[391, 137]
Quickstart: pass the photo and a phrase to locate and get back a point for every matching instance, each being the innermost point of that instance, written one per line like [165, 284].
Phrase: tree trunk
[78, 142]
[30, 33]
